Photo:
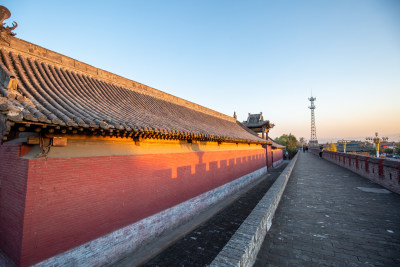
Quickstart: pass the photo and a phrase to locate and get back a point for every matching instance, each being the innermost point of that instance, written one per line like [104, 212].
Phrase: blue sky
[243, 56]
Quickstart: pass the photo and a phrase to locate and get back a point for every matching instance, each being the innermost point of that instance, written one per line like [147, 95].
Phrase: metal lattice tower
[313, 139]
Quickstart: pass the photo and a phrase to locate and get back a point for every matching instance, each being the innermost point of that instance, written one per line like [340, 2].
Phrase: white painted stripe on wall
[276, 163]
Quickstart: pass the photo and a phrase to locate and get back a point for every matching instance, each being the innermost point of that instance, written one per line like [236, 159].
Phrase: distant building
[385, 145]
[354, 146]
[261, 127]
[256, 123]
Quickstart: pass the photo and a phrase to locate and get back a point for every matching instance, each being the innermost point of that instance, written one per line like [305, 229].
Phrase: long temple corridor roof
[58, 90]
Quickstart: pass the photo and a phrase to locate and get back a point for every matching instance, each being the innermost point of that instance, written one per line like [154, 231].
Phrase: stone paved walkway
[327, 217]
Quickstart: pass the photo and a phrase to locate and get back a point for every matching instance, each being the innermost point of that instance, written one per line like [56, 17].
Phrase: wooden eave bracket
[59, 141]
[137, 136]
[33, 141]
[137, 140]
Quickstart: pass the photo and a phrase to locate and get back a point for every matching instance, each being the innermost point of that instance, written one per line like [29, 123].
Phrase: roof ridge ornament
[5, 14]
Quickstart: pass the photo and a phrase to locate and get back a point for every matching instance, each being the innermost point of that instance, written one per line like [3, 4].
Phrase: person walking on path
[321, 149]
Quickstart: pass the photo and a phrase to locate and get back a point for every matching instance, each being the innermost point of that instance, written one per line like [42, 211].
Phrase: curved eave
[135, 134]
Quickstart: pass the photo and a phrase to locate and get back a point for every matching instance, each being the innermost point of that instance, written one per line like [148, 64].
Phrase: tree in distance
[388, 151]
[289, 141]
[397, 148]
[332, 147]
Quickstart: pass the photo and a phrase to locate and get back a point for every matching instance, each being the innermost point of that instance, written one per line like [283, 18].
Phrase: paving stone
[330, 222]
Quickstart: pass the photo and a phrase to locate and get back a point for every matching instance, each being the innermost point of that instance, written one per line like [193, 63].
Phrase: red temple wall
[277, 155]
[269, 156]
[70, 201]
[13, 178]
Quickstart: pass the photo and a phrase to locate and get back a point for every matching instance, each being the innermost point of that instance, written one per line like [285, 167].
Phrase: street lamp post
[377, 140]
[344, 143]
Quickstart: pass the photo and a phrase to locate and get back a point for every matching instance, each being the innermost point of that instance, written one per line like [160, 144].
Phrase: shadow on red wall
[70, 201]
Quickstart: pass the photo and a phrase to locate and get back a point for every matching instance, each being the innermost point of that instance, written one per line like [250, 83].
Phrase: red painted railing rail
[383, 171]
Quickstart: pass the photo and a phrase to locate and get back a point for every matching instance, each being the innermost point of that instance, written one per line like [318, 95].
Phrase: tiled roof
[255, 117]
[256, 124]
[269, 141]
[58, 91]
[256, 121]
